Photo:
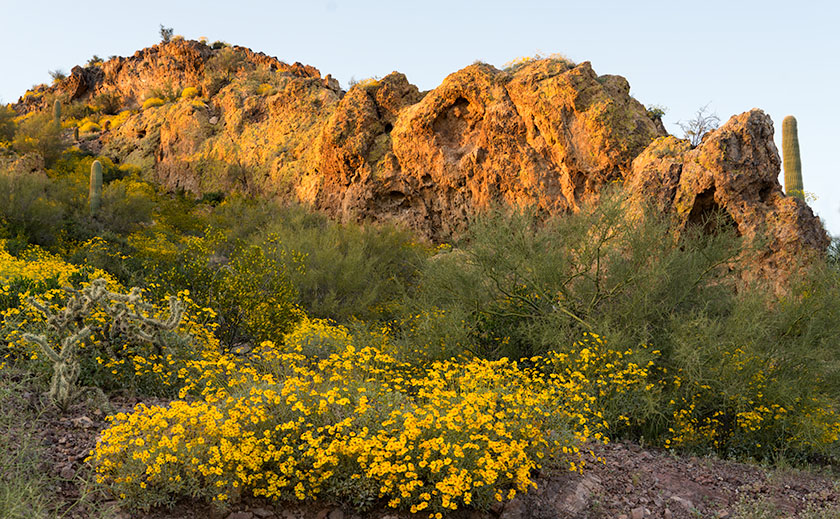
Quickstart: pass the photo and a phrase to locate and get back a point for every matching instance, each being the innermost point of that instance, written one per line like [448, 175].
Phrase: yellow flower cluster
[39, 266]
[356, 424]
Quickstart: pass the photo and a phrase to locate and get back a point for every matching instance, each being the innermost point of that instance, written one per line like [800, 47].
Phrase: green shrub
[28, 207]
[349, 271]
[522, 288]
[248, 287]
[7, 123]
[126, 204]
[39, 134]
[107, 103]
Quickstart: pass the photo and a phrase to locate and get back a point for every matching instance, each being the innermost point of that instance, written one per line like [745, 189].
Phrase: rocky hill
[546, 134]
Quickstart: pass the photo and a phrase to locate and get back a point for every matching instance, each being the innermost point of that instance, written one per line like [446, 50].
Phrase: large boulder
[734, 172]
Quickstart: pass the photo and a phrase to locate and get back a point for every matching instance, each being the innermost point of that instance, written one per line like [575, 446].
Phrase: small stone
[83, 422]
[668, 514]
[722, 514]
[262, 512]
[241, 515]
[214, 120]
[336, 514]
[622, 516]
[687, 504]
[67, 473]
[638, 513]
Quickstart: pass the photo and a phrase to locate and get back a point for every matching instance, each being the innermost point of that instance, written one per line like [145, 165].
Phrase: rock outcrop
[545, 134]
[734, 172]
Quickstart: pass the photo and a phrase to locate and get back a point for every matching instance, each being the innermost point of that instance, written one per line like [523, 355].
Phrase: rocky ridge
[546, 134]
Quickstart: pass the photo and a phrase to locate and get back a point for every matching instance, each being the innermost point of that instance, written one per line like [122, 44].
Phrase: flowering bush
[360, 426]
[152, 102]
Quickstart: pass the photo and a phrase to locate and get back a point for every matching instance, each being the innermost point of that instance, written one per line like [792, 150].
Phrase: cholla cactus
[129, 318]
[65, 365]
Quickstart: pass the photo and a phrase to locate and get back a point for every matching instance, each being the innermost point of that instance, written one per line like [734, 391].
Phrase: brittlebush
[360, 426]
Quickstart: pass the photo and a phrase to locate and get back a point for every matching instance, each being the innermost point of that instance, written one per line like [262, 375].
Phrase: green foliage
[656, 111]
[7, 123]
[25, 486]
[166, 33]
[349, 271]
[521, 288]
[78, 110]
[126, 205]
[107, 103]
[95, 192]
[39, 134]
[225, 63]
[792, 162]
[30, 206]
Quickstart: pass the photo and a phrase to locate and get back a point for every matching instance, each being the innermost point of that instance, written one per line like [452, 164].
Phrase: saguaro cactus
[57, 112]
[95, 195]
[792, 163]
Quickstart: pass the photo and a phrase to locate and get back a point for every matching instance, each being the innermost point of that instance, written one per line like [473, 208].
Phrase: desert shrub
[352, 271]
[116, 120]
[189, 93]
[152, 102]
[349, 270]
[75, 163]
[248, 287]
[90, 127]
[7, 123]
[39, 134]
[226, 62]
[28, 208]
[736, 368]
[107, 103]
[518, 287]
[77, 110]
[126, 204]
[265, 89]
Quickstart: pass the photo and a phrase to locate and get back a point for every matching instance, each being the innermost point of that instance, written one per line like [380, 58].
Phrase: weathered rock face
[734, 170]
[547, 134]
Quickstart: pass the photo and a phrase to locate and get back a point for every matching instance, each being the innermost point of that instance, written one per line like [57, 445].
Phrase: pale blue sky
[783, 57]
